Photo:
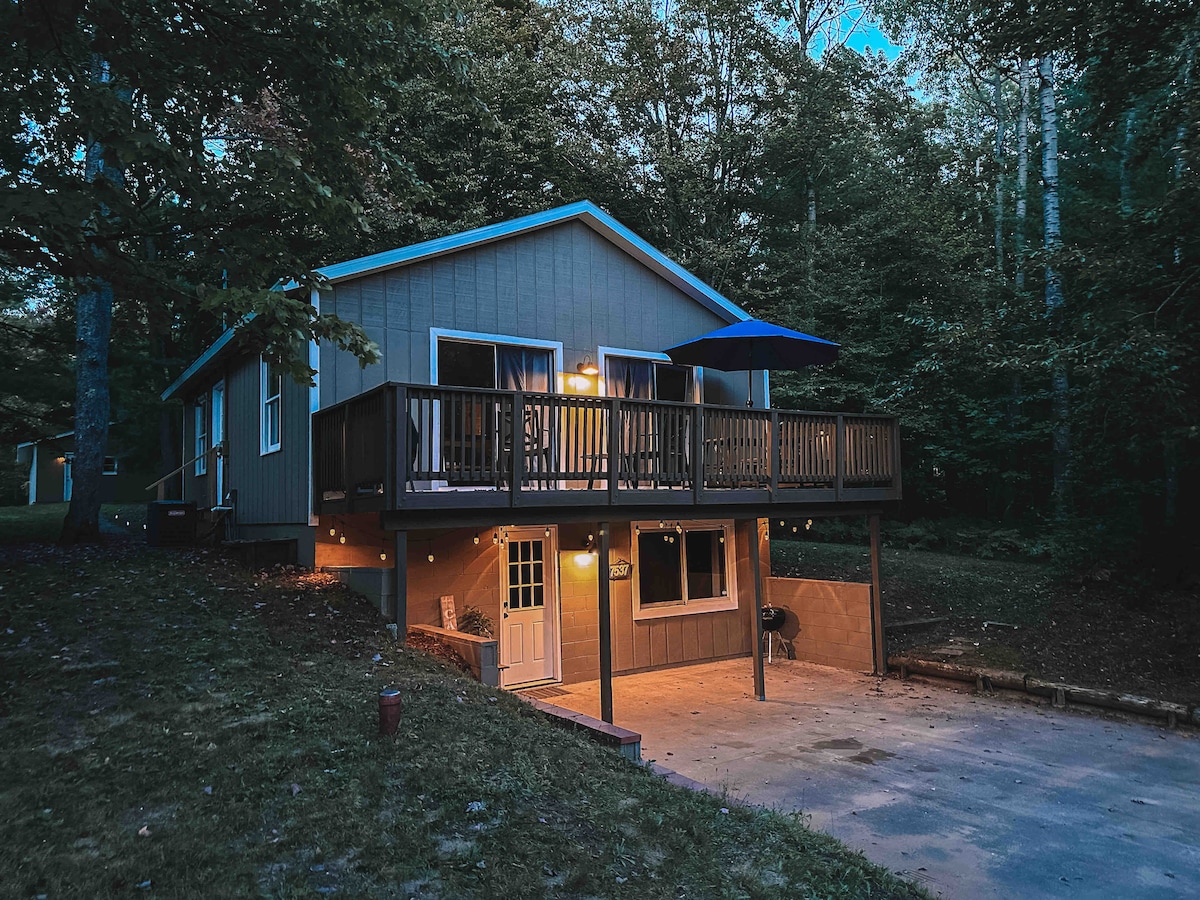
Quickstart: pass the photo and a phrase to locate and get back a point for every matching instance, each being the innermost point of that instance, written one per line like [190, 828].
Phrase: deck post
[877, 601]
[760, 687]
[602, 574]
[400, 568]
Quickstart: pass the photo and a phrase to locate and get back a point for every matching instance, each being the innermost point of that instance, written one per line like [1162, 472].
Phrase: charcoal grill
[772, 620]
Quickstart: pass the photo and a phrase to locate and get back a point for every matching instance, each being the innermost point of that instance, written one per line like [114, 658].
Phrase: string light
[808, 525]
[476, 538]
[678, 528]
[430, 556]
[637, 529]
[547, 531]
[342, 538]
[495, 537]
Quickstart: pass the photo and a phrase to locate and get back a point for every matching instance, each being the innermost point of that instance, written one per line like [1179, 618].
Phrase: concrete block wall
[580, 620]
[829, 621]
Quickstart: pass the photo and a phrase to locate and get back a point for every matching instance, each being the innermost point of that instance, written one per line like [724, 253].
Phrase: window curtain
[523, 369]
[629, 378]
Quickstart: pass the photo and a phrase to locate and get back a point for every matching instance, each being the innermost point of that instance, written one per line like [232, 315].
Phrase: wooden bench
[627, 743]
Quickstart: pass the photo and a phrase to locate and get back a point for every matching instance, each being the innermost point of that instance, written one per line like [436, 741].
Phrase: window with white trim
[271, 377]
[680, 568]
[200, 418]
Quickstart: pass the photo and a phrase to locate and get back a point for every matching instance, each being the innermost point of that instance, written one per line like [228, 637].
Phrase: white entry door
[528, 607]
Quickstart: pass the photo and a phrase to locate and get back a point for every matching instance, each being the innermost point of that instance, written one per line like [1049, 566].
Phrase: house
[48, 462]
[526, 448]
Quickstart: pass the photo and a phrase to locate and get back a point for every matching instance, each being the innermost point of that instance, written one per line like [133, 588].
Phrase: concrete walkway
[973, 797]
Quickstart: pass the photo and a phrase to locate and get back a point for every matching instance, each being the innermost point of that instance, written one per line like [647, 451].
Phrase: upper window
[647, 379]
[480, 364]
[110, 466]
[271, 377]
[682, 568]
[200, 416]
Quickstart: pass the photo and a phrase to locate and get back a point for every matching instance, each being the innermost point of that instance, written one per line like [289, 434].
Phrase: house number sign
[619, 570]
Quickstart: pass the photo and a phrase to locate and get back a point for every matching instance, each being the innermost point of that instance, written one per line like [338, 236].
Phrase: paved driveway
[971, 796]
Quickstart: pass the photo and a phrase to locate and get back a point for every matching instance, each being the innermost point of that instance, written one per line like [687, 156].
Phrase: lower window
[682, 568]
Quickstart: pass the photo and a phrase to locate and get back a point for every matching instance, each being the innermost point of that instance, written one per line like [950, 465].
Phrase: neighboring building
[523, 418]
[49, 472]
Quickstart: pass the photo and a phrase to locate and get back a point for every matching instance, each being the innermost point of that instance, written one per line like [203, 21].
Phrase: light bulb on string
[476, 538]
[547, 531]
[430, 556]
[341, 538]
[678, 528]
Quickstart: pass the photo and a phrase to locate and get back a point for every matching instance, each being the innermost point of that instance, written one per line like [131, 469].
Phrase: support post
[877, 601]
[760, 689]
[400, 568]
[606, 701]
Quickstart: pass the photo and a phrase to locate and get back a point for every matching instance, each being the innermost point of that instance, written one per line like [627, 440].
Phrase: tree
[189, 157]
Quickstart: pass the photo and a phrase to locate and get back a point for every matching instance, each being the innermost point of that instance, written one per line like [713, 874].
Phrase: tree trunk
[1125, 167]
[93, 322]
[1022, 177]
[93, 325]
[1052, 242]
[1181, 134]
[998, 158]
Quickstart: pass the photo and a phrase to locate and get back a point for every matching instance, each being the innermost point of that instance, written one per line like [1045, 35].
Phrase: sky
[868, 36]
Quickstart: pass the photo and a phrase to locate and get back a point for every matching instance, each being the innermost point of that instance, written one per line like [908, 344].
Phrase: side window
[200, 420]
[110, 465]
[271, 378]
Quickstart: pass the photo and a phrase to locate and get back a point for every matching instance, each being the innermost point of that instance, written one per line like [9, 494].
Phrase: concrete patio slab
[971, 796]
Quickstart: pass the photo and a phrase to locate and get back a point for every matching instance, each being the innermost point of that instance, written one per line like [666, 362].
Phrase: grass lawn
[172, 726]
[42, 522]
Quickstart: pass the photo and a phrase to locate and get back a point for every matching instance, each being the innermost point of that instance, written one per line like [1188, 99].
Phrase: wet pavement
[970, 796]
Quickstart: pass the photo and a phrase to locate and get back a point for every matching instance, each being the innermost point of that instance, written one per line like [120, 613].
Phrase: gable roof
[584, 211]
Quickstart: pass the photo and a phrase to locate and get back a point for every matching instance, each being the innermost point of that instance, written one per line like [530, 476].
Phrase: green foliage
[473, 620]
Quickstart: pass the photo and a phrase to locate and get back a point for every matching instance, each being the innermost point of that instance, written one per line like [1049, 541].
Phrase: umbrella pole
[749, 388]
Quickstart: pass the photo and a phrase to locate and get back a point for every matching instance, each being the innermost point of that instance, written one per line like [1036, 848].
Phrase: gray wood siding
[271, 489]
[563, 283]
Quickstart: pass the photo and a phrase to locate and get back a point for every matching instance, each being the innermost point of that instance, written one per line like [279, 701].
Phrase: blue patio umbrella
[754, 344]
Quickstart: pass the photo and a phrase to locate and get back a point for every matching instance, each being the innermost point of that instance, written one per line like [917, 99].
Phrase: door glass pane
[514, 597]
[705, 564]
[526, 597]
[538, 596]
[659, 580]
[513, 551]
[673, 383]
[466, 364]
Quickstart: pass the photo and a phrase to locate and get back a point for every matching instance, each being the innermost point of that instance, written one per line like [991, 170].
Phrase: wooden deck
[470, 453]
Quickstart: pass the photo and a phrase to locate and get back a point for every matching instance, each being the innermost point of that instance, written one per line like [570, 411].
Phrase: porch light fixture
[587, 367]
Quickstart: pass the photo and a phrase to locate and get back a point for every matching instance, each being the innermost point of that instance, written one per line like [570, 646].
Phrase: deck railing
[400, 444]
